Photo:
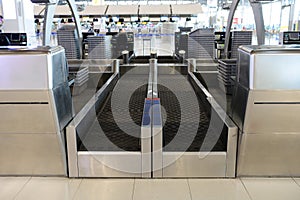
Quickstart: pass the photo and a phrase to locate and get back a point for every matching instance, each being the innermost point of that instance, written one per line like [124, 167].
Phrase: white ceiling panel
[155, 10]
[122, 10]
[186, 9]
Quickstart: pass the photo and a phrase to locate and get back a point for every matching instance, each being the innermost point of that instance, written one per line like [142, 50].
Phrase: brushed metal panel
[18, 72]
[72, 150]
[110, 164]
[278, 71]
[274, 154]
[231, 148]
[24, 96]
[157, 153]
[63, 104]
[276, 112]
[26, 118]
[32, 154]
[194, 164]
[146, 151]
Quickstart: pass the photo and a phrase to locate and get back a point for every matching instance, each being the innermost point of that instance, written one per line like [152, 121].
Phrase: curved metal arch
[48, 19]
[258, 18]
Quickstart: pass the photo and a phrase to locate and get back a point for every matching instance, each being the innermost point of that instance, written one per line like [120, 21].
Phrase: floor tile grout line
[74, 195]
[190, 191]
[22, 187]
[295, 181]
[133, 189]
[245, 187]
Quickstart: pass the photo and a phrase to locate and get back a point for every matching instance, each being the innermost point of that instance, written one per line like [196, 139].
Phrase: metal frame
[214, 164]
[48, 19]
[258, 18]
[151, 161]
[88, 164]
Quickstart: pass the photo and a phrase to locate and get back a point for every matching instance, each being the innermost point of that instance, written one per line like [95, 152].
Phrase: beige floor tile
[49, 188]
[274, 189]
[10, 186]
[161, 189]
[105, 189]
[218, 189]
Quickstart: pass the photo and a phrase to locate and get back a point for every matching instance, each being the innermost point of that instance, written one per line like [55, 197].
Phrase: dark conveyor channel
[174, 117]
[106, 133]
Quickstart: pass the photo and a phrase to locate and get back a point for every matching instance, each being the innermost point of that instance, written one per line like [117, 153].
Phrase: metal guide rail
[106, 133]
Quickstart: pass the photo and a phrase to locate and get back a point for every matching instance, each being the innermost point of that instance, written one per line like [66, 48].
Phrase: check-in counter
[35, 107]
[266, 108]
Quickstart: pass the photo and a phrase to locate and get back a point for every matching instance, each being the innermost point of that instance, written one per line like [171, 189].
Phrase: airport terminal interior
[150, 99]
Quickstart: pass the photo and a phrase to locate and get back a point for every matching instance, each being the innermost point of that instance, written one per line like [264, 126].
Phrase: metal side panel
[72, 150]
[194, 164]
[27, 118]
[231, 148]
[32, 154]
[157, 139]
[110, 164]
[157, 159]
[274, 154]
[24, 96]
[146, 152]
[272, 111]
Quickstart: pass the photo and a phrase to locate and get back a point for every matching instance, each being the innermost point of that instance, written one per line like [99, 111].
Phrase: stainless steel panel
[231, 148]
[27, 118]
[32, 154]
[272, 112]
[59, 69]
[273, 154]
[194, 164]
[72, 150]
[146, 151]
[63, 104]
[157, 152]
[276, 71]
[81, 123]
[33, 122]
[232, 139]
[110, 164]
[23, 96]
[19, 72]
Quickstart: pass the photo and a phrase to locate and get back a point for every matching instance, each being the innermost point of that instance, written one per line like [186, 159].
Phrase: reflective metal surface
[82, 122]
[32, 154]
[266, 106]
[99, 164]
[195, 164]
[152, 159]
[35, 97]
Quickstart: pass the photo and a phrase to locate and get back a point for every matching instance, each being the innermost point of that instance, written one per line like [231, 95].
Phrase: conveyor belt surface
[106, 133]
[193, 122]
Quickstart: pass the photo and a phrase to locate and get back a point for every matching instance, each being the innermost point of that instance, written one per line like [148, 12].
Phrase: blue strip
[146, 115]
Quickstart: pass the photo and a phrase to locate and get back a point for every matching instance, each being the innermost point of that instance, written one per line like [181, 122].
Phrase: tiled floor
[43, 188]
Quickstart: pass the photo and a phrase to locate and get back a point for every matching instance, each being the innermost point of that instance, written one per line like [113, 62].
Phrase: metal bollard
[182, 55]
[125, 55]
[153, 54]
[153, 74]
[192, 65]
[116, 66]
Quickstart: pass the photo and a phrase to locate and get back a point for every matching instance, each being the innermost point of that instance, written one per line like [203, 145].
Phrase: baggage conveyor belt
[105, 133]
[187, 121]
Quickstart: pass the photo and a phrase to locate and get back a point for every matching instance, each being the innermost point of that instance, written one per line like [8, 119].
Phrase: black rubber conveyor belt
[183, 140]
[105, 133]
